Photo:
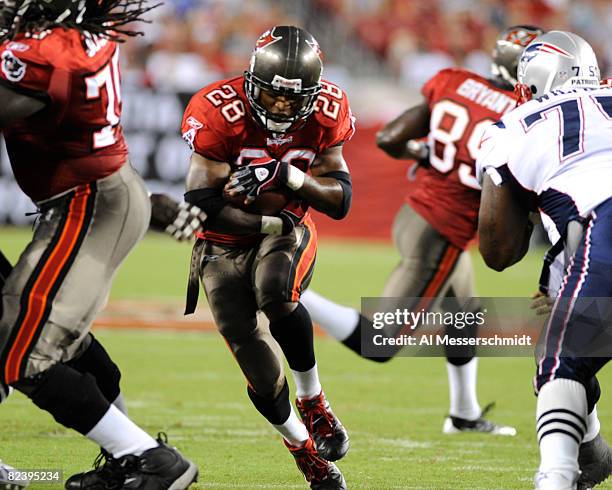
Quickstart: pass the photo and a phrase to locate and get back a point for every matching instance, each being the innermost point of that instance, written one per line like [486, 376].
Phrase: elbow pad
[344, 179]
[208, 200]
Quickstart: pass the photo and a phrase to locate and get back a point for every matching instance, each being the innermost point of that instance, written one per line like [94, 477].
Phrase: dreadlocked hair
[102, 18]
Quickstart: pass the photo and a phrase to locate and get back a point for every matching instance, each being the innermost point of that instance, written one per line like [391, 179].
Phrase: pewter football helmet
[508, 48]
[558, 59]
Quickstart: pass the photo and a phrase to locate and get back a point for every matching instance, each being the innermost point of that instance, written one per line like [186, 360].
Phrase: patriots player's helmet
[554, 60]
[286, 62]
[508, 48]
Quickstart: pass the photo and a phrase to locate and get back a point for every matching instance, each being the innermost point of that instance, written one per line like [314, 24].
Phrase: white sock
[593, 426]
[462, 390]
[558, 450]
[337, 320]
[307, 383]
[119, 435]
[293, 430]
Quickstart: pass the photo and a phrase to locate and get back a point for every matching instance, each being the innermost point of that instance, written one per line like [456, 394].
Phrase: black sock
[96, 361]
[73, 398]
[275, 410]
[353, 341]
[295, 336]
[459, 355]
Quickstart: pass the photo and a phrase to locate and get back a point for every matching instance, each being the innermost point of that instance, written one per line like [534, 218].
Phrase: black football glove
[179, 220]
[254, 178]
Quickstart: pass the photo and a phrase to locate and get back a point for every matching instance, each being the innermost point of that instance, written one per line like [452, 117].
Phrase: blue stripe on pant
[575, 326]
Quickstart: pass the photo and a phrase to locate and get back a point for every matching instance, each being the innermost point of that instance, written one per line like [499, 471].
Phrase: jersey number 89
[444, 139]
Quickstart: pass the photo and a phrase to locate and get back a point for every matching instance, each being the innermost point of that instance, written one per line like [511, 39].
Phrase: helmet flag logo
[536, 48]
[266, 39]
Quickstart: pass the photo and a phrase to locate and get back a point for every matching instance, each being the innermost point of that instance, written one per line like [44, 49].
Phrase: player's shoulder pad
[54, 48]
[453, 72]
[220, 106]
[441, 79]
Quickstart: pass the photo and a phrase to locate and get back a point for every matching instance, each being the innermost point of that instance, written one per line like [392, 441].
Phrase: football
[268, 203]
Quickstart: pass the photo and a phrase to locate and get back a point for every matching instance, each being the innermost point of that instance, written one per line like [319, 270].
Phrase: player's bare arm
[504, 227]
[17, 106]
[411, 124]
[328, 188]
[205, 181]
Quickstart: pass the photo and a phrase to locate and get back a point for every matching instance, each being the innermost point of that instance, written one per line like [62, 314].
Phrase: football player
[279, 127]
[61, 107]
[595, 455]
[553, 153]
[433, 228]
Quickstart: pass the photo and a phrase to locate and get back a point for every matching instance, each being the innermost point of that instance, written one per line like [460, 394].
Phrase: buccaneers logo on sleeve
[13, 68]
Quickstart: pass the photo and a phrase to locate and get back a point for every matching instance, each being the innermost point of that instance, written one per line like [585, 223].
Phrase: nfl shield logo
[261, 173]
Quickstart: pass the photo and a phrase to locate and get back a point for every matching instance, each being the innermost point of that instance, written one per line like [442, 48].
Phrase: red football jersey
[218, 125]
[447, 194]
[77, 138]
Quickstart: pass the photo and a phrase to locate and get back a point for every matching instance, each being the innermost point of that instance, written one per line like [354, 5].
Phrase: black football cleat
[320, 474]
[108, 474]
[329, 434]
[595, 460]
[161, 468]
[456, 425]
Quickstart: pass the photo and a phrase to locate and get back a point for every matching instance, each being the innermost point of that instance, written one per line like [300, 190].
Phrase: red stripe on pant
[306, 260]
[39, 294]
[433, 288]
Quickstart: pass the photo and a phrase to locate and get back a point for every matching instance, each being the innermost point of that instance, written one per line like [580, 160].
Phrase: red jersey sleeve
[203, 130]
[24, 69]
[334, 113]
[431, 89]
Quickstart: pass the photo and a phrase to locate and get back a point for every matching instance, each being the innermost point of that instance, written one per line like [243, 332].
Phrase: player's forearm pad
[208, 200]
[344, 179]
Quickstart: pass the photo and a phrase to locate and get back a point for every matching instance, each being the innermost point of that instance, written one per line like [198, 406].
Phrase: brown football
[268, 203]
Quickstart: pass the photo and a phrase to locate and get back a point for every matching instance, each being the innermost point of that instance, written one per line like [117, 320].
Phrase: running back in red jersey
[77, 138]
[218, 125]
[462, 106]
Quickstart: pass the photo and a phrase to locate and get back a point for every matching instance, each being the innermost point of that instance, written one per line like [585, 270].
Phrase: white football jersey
[558, 148]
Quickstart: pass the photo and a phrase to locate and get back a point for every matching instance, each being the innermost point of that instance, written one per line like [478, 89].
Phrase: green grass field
[188, 385]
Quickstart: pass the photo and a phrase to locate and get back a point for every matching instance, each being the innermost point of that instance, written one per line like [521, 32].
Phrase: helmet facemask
[280, 123]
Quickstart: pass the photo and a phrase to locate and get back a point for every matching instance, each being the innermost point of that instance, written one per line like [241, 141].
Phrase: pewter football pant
[64, 275]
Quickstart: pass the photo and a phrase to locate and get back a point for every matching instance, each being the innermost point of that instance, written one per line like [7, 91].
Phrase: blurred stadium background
[185, 382]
